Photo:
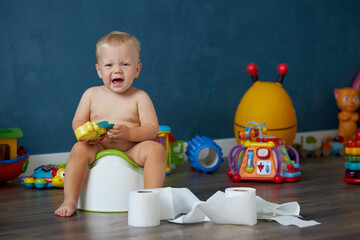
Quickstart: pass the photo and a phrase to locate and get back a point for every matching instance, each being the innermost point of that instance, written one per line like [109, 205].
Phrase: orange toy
[347, 100]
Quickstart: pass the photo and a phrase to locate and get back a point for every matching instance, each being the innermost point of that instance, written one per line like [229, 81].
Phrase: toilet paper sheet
[285, 214]
[234, 206]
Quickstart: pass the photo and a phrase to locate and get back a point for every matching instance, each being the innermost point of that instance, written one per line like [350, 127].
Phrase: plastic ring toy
[352, 174]
[204, 154]
[354, 166]
[351, 180]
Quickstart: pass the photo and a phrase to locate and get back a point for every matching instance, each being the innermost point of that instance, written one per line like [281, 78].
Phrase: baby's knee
[82, 150]
[158, 148]
[79, 147]
[156, 151]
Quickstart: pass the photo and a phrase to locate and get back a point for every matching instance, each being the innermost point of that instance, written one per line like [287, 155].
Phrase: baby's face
[118, 66]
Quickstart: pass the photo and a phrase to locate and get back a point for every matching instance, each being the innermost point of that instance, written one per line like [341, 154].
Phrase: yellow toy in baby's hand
[92, 131]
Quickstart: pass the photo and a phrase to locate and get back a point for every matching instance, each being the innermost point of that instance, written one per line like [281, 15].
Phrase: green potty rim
[115, 152]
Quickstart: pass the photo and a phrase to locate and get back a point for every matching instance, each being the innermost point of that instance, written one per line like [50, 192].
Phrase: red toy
[12, 168]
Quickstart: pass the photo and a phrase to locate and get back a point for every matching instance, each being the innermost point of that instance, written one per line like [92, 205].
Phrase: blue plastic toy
[204, 154]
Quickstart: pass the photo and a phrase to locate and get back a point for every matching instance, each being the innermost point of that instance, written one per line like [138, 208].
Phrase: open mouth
[117, 81]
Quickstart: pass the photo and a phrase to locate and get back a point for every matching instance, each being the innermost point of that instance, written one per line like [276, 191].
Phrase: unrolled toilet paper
[234, 206]
[285, 214]
[144, 209]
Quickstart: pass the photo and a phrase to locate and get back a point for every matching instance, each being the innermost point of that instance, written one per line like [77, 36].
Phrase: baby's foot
[67, 209]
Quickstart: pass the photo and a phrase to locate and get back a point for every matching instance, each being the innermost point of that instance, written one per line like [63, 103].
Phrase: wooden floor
[322, 195]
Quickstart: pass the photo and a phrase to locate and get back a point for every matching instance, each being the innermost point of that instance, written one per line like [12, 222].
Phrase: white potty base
[108, 184]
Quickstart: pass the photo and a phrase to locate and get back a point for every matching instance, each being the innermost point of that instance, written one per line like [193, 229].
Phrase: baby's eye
[125, 64]
[355, 99]
[346, 99]
[108, 65]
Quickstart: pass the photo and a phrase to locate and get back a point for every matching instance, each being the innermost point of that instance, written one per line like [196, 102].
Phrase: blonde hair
[116, 38]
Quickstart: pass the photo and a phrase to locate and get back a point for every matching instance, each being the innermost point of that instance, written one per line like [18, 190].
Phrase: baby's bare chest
[115, 110]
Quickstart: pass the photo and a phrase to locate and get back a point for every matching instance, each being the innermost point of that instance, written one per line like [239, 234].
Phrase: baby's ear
[98, 70]
[336, 92]
[138, 68]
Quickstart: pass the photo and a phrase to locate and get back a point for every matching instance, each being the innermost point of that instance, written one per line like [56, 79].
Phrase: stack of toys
[352, 159]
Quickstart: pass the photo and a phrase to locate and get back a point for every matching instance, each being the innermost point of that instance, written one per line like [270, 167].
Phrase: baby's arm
[148, 123]
[82, 114]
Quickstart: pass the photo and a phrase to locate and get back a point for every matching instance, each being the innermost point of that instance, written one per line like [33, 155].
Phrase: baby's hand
[118, 131]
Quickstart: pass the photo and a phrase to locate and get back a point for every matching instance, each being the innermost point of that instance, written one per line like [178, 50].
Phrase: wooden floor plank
[322, 194]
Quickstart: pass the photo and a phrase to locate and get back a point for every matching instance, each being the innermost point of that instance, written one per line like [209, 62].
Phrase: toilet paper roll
[144, 209]
[236, 206]
[237, 191]
[245, 208]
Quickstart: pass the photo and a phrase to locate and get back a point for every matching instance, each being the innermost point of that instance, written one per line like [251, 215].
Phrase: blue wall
[194, 55]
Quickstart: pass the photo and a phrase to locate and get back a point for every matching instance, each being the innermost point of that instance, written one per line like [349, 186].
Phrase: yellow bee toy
[267, 102]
